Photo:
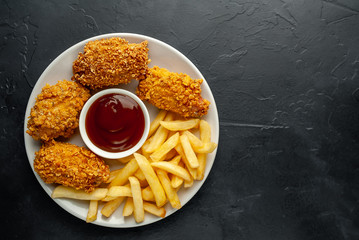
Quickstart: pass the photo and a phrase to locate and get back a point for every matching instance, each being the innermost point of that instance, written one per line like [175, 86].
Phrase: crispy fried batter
[57, 110]
[173, 92]
[70, 165]
[108, 62]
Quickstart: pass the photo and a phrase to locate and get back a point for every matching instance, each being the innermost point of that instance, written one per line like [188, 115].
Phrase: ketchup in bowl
[115, 122]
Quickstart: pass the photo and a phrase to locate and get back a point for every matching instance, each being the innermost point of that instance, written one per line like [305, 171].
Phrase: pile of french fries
[174, 155]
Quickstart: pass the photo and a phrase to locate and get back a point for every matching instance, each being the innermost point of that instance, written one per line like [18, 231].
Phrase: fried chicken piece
[108, 62]
[173, 92]
[57, 110]
[70, 165]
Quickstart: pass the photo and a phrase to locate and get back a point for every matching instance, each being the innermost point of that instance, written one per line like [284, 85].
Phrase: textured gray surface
[284, 74]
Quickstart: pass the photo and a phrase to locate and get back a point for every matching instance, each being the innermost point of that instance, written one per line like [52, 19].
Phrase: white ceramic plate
[162, 55]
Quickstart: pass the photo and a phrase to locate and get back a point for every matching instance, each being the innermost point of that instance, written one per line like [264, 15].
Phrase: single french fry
[205, 131]
[159, 137]
[170, 192]
[128, 170]
[167, 146]
[152, 179]
[110, 207]
[180, 125]
[153, 209]
[68, 192]
[207, 147]
[170, 134]
[108, 199]
[172, 168]
[176, 181]
[138, 211]
[119, 191]
[92, 212]
[122, 191]
[128, 207]
[113, 175]
[139, 175]
[145, 147]
[175, 160]
[147, 194]
[188, 184]
[191, 170]
[125, 159]
[156, 122]
[188, 150]
[202, 158]
[171, 154]
[195, 141]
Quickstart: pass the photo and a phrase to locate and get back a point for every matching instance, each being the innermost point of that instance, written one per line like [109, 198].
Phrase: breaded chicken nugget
[175, 92]
[108, 62]
[70, 165]
[57, 110]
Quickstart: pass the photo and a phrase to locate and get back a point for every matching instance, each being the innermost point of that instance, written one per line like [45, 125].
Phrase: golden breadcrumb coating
[57, 110]
[108, 62]
[175, 92]
[70, 165]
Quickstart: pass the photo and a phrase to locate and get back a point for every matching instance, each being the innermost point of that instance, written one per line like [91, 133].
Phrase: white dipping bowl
[99, 151]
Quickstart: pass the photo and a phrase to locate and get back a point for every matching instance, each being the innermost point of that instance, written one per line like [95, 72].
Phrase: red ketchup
[115, 122]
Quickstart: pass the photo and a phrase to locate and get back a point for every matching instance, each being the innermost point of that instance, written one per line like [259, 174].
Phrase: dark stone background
[285, 76]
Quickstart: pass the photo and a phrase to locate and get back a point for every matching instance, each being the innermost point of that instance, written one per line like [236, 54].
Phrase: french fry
[92, 212]
[110, 207]
[128, 207]
[190, 155]
[180, 125]
[113, 175]
[205, 131]
[145, 147]
[167, 146]
[171, 154]
[138, 211]
[125, 159]
[195, 141]
[110, 198]
[202, 158]
[156, 122]
[191, 170]
[139, 175]
[170, 192]
[119, 191]
[153, 209]
[159, 136]
[68, 192]
[176, 181]
[188, 184]
[172, 168]
[152, 179]
[128, 170]
[175, 160]
[207, 147]
[147, 194]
